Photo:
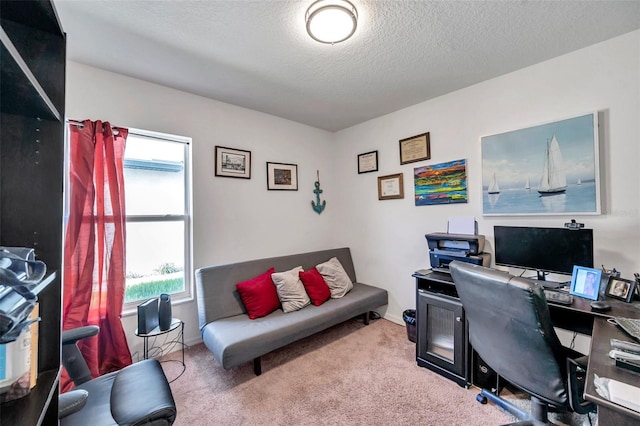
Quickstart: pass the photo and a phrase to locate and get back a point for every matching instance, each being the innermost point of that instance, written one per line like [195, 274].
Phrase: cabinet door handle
[458, 319]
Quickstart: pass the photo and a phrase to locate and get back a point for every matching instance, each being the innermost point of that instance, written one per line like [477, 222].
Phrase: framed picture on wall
[548, 169]
[442, 183]
[231, 162]
[390, 187]
[282, 176]
[368, 162]
[415, 148]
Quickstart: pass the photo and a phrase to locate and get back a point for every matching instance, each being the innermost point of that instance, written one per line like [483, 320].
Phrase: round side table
[179, 339]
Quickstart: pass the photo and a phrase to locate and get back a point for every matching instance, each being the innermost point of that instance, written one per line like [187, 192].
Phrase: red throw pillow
[259, 295]
[315, 286]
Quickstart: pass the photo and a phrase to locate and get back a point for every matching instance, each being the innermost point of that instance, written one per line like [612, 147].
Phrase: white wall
[238, 219]
[233, 219]
[387, 237]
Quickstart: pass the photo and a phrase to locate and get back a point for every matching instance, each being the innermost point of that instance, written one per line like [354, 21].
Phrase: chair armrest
[75, 334]
[72, 358]
[70, 402]
[141, 395]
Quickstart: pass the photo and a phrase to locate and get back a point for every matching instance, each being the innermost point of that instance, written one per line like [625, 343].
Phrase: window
[158, 209]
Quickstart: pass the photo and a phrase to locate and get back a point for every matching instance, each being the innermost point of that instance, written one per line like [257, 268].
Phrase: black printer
[445, 248]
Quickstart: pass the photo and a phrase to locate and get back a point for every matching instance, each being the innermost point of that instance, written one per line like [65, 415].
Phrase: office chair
[138, 394]
[510, 328]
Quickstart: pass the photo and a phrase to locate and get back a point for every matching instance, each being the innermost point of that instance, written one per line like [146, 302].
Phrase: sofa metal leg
[257, 366]
[366, 317]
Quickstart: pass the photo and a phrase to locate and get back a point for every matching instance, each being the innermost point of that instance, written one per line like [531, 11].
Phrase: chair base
[537, 417]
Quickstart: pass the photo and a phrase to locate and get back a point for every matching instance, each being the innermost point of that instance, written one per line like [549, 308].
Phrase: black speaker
[147, 316]
[164, 312]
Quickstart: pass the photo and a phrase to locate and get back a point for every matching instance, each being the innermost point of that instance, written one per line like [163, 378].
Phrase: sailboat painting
[553, 179]
[547, 169]
[494, 188]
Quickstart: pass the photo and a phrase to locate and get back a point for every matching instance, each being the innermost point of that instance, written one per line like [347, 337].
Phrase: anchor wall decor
[317, 206]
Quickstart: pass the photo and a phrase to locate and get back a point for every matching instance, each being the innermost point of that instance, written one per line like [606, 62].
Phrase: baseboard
[193, 342]
[393, 318]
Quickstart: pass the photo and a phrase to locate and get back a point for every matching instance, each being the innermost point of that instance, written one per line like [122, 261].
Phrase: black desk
[579, 317]
[437, 289]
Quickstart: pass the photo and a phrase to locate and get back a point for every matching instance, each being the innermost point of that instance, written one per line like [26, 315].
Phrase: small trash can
[409, 317]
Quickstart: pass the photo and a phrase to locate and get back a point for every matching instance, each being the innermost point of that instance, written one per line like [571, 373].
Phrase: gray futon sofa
[235, 339]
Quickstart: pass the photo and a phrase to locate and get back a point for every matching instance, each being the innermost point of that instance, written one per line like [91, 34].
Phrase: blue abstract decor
[444, 183]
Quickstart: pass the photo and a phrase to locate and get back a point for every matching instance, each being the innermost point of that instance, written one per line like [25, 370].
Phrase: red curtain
[94, 248]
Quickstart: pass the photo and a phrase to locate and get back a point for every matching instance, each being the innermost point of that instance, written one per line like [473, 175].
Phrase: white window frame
[187, 294]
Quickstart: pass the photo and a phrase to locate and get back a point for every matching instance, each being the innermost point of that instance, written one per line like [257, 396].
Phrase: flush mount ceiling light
[331, 21]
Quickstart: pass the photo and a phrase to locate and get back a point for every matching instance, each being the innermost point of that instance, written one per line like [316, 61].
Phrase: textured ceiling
[256, 54]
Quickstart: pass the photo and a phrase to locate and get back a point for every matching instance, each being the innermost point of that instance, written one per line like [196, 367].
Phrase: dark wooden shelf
[28, 410]
[40, 15]
[437, 283]
[39, 54]
[21, 92]
[32, 95]
[48, 279]
[33, 53]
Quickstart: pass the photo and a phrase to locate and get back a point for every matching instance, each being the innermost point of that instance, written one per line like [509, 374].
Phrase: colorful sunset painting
[444, 183]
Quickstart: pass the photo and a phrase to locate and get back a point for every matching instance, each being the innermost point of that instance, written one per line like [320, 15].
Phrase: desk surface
[618, 308]
[580, 317]
[602, 365]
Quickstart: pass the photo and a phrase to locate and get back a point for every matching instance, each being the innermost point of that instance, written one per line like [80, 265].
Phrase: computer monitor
[544, 250]
[585, 282]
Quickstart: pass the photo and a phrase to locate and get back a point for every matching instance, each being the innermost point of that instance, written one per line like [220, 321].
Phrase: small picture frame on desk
[620, 288]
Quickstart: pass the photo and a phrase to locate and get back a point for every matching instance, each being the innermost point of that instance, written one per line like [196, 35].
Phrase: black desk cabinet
[32, 65]
[441, 333]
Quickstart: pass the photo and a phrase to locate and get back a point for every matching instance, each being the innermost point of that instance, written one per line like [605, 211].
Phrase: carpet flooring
[350, 374]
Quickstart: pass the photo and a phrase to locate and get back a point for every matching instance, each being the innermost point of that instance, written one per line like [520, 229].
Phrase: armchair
[510, 328]
[138, 394]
